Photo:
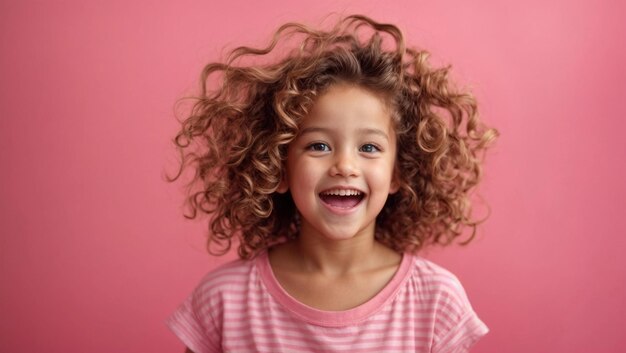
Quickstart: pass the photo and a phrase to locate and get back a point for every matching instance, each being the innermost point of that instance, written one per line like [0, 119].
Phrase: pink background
[95, 253]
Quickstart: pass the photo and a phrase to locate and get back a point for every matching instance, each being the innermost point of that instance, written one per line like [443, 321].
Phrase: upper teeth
[342, 192]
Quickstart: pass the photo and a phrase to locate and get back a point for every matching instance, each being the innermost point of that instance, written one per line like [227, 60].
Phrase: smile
[342, 198]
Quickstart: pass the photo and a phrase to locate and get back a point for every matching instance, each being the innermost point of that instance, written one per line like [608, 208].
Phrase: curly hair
[236, 135]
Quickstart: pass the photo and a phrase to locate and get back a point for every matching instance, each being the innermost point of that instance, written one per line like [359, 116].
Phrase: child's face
[340, 168]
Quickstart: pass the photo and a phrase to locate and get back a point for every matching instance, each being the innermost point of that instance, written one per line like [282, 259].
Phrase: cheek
[383, 168]
[303, 175]
[303, 183]
[381, 175]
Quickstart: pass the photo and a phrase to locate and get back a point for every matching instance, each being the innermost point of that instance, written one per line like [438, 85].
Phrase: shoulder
[198, 321]
[434, 280]
[226, 282]
[432, 271]
[231, 276]
[226, 273]
[456, 326]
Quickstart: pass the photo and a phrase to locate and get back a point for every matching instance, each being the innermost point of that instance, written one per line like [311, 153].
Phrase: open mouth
[342, 198]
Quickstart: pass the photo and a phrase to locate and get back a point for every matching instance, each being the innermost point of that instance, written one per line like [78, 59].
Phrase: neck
[339, 257]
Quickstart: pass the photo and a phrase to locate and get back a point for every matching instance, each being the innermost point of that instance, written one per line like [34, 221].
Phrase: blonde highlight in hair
[236, 136]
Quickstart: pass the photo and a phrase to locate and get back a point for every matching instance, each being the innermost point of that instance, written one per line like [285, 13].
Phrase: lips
[342, 198]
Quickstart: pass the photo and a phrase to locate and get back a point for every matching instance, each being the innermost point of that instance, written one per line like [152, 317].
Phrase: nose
[344, 164]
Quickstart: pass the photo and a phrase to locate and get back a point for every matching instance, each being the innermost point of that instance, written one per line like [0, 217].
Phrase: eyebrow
[363, 130]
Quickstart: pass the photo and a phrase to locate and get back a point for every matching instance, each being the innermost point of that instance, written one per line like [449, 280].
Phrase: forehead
[343, 104]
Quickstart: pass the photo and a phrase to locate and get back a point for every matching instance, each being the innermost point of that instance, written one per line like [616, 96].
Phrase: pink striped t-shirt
[241, 307]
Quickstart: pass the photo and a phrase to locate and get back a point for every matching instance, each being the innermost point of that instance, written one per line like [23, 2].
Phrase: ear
[283, 186]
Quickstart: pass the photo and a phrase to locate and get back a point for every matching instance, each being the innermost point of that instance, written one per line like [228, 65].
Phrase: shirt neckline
[333, 318]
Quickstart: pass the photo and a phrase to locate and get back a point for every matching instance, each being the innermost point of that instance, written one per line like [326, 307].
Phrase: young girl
[330, 167]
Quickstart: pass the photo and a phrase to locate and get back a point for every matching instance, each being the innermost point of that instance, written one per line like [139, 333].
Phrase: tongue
[341, 201]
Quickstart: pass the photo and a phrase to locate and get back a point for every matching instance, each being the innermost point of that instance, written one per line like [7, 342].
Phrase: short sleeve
[463, 335]
[193, 324]
[457, 325]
